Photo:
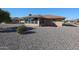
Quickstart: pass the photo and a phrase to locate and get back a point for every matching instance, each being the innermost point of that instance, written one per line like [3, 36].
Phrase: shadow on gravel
[29, 32]
[13, 29]
[9, 29]
[69, 25]
[30, 28]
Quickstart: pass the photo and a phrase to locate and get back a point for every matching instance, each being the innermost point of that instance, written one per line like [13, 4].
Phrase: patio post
[38, 22]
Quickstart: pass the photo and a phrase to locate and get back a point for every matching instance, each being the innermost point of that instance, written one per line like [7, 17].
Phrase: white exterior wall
[32, 25]
[22, 21]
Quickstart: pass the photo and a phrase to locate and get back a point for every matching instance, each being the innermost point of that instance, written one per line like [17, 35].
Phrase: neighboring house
[17, 20]
[75, 21]
[44, 20]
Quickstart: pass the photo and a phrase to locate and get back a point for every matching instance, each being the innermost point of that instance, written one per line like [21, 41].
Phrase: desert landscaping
[40, 38]
[38, 32]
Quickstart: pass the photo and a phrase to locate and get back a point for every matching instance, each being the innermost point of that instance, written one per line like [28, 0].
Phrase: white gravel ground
[42, 38]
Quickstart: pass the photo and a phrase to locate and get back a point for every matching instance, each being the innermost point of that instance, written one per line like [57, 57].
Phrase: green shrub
[21, 29]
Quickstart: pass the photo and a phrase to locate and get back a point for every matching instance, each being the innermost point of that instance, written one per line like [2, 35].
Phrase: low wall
[31, 25]
[58, 23]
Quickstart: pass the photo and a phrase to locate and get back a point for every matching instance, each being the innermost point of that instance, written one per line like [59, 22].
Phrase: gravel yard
[41, 38]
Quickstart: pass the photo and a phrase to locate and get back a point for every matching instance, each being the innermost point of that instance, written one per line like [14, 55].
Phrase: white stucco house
[44, 20]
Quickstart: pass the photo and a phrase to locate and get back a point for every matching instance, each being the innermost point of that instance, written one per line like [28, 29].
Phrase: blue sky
[69, 13]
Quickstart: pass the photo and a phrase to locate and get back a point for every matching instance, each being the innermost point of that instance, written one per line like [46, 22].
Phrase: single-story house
[17, 20]
[44, 20]
[75, 21]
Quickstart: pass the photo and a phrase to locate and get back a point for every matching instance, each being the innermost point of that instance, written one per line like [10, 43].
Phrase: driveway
[42, 38]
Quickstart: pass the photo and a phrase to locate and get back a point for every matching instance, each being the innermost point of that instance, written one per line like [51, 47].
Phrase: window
[31, 20]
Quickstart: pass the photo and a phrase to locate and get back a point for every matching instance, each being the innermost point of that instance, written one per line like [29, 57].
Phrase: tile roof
[45, 16]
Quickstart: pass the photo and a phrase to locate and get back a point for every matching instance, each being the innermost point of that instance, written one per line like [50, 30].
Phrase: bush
[21, 29]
